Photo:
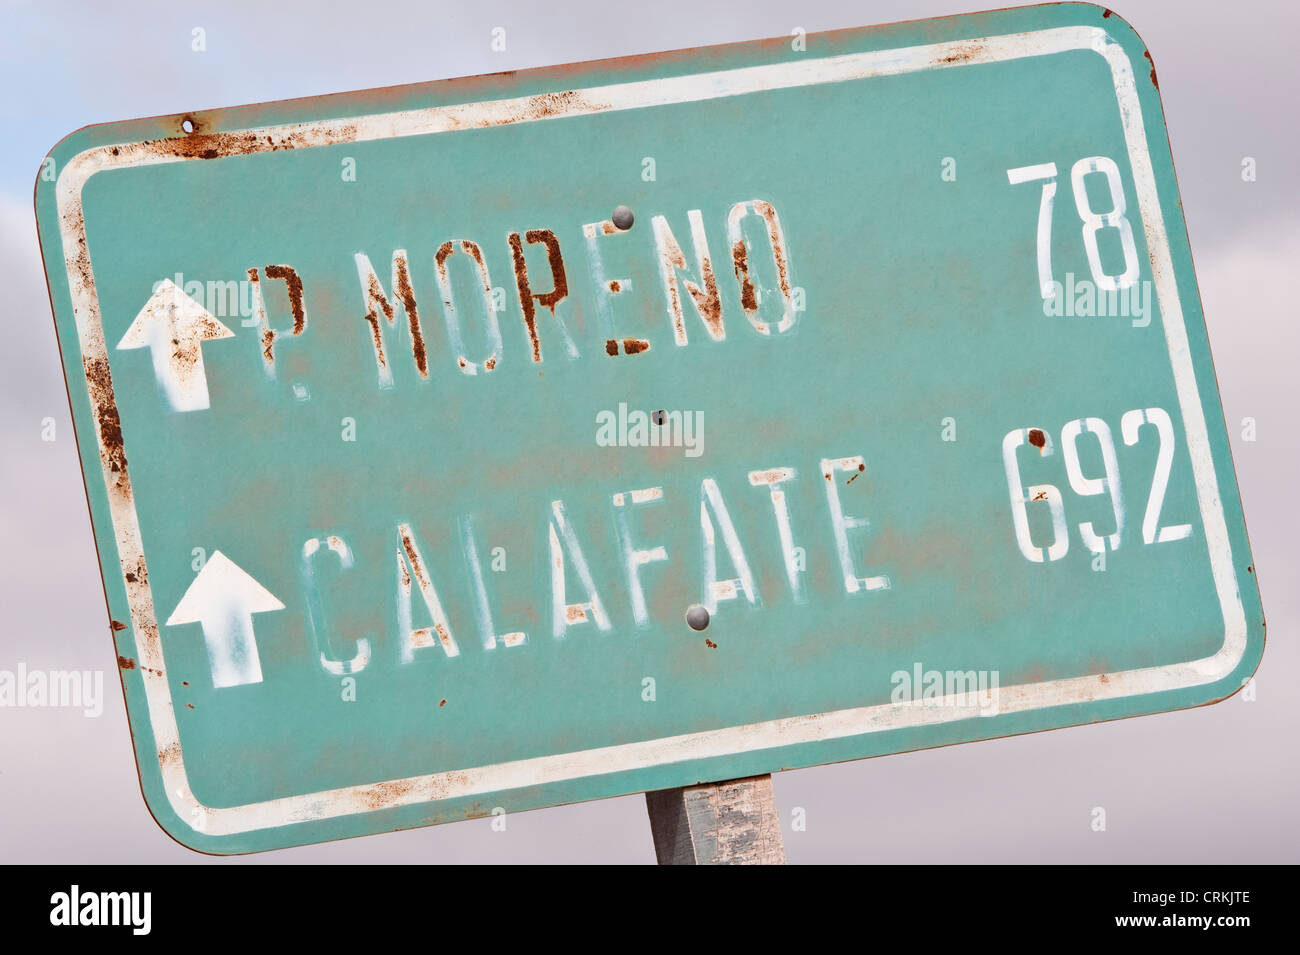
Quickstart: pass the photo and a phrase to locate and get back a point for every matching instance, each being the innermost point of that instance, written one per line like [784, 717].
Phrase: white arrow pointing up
[223, 598]
[173, 327]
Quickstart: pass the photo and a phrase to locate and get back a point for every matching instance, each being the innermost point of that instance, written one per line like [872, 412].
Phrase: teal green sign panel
[491, 444]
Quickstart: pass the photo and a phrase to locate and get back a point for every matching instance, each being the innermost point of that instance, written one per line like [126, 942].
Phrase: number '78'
[1093, 221]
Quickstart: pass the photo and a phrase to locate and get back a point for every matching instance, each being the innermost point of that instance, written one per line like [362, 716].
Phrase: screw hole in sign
[622, 217]
[187, 124]
[697, 617]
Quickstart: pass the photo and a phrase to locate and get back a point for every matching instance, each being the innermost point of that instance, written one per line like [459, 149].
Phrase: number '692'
[1133, 426]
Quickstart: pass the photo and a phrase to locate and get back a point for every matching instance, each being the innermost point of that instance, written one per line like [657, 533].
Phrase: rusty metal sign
[491, 444]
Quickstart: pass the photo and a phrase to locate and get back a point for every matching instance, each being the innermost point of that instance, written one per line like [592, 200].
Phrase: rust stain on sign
[378, 303]
[528, 299]
[290, 277]
[963, 53]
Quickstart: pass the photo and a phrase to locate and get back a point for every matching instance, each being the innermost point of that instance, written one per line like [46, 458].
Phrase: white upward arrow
[173, 327]
[223, 598]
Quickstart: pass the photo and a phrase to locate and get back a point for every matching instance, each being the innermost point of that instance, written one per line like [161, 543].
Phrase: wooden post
[731, 823]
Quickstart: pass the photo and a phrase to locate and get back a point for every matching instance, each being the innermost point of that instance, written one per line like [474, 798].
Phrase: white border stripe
[713, 743]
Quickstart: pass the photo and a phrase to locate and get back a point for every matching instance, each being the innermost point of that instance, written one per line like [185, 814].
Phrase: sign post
[732, 823]
[492, 444]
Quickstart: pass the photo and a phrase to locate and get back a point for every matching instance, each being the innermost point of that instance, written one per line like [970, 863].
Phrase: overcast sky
[1213, 784]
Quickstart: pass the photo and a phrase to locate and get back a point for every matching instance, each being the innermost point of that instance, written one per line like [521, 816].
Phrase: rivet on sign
[622, 217]
[697, 617]
[187, 125]
[658, 417]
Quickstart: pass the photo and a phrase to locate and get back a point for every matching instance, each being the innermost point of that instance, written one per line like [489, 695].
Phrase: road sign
[427, 486]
